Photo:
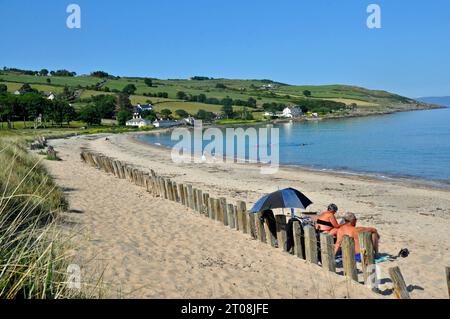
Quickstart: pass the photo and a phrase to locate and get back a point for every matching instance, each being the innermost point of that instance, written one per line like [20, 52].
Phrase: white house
[16, 92]
[291, 112]
[138, 121]
[143, 107]
[189, 120]
[51, 96]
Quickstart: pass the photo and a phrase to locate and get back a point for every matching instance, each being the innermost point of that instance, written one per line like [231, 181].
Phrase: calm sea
[408, 144]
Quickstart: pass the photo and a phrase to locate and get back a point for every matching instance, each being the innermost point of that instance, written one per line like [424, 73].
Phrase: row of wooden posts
[237, 217]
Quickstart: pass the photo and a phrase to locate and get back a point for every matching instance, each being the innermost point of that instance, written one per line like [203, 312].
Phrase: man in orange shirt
[350, 229]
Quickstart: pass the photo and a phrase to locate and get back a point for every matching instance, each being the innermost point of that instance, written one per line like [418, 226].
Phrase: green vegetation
[33, 262]
[220, 122]
[204, 93]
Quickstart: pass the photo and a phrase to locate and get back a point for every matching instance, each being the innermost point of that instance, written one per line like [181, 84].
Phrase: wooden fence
[306, 245]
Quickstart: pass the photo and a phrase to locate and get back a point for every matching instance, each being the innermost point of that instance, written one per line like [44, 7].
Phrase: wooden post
[147, 183]
[194, 197]
[281, 231]
[236, 217]
[270, 237]
[200, 201]
[211, 208]
[173, 188]
[327, 252]
[400, 290]
[185, 194]
[241, 209]
[260, 228]
[164, 187]
[181, 193]
[161, 186]
[156, 185]
[367, 258]
[115, 168]
[176, 195]
[251, 225]
[348, 258]
[216, 207]
[168, 185]
[205, 204]
[190, 196]
[311, 245]
[447, 273]
[224, 210]
[142, 176]
[121, 170]
[231, 219]
[298, 246]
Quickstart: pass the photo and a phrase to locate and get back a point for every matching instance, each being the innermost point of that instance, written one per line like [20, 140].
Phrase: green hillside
[336, 99]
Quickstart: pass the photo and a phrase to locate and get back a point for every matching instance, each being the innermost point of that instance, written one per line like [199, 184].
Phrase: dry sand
[152, 248]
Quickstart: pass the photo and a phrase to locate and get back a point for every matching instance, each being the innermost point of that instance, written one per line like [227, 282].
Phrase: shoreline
[370, 176]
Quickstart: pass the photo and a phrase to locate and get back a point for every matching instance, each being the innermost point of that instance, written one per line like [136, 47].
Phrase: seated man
[326, 222]
[350, 229]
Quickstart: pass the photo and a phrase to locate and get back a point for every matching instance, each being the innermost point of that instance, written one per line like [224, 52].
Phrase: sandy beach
[149, 247]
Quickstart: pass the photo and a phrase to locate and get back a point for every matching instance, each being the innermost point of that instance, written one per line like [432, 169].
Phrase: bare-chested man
[326, 222]
[350, 229]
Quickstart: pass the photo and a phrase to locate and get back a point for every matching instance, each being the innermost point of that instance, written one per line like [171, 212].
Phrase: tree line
[30, 105]
[202, 98]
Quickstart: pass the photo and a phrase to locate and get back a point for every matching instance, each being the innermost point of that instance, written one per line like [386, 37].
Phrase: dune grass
[33, 258]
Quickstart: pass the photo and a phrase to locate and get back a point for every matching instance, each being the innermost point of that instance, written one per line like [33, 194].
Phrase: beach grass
[33, 259]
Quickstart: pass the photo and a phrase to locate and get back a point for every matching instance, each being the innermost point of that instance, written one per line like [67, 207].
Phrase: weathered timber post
[400, 289]
[260, 228]
[327, 252]
[190, 196]
[281, 231]
[310, 245]
[251, 225]
[348, 258]
[205, 204]
[241, 208]
[299, 250]
[231, 217]
[211, 208]
[367, 258]
[223, 211]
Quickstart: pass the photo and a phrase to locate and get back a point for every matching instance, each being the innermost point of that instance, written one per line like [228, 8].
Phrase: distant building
[158, 123]
[189, 120]
[290, 112]
[143, 107]
[138, 121]
[51, 96]
[267, 87]
[16, 92]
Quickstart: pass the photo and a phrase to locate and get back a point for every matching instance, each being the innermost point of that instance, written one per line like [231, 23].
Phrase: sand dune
[153, 248]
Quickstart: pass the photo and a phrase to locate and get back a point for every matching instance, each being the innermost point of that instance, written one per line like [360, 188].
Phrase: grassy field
[190, 107]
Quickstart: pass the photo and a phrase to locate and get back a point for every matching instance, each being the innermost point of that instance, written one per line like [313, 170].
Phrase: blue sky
[292, 41]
